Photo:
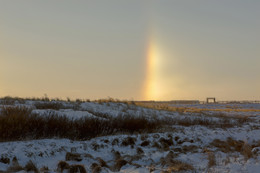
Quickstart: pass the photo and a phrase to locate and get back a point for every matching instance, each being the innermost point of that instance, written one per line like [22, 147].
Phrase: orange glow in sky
[152, 84]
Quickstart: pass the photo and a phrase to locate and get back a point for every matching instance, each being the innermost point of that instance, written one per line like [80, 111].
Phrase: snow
[48, 152]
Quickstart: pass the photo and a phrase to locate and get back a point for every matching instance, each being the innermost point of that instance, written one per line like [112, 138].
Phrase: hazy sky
[130, 49]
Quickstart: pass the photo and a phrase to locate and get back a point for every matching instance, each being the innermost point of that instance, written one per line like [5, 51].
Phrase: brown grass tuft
[211, 159]
[119, 163]
[15, 166]
[247, 151]
[73, 157]
[62, 165]
[102, 163]
[128, 141]
[31, 167]
[77, 169]
[4, 160]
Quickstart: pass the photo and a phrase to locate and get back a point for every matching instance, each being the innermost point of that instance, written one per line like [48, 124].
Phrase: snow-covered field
[186, 144]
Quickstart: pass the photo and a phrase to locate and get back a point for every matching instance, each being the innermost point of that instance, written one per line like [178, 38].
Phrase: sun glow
[152, 85]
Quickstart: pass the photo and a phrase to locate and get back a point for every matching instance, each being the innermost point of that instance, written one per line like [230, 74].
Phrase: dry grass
[4, 160]
[44, 169]
[48, 105]
[73, 157]
[247, 151]
[128, 141]
[231, 145]
[181, 110]
[77, 169]
[102, 163]
[211, 159]
[15, 166]
[118, 164]
[31, 167]
[18, 123]
[62, 165]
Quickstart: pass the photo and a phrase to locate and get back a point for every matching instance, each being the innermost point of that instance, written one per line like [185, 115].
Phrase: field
[43, 135]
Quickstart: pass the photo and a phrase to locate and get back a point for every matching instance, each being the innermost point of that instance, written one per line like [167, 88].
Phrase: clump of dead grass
[77, 169]
[31, 167]
[231, 145]
[73, 157]
[15, 166]
[211, 159]
[62, 165]
[128, 141]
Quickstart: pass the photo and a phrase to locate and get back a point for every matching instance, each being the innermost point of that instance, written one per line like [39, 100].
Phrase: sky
[130, 49]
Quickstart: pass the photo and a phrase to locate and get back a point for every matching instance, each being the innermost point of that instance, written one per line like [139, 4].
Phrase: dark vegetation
[49, 105]
[31, 167]
[231, 145]
[18, 123]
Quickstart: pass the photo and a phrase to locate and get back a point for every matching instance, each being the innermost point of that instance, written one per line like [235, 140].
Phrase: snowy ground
[193, 148]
